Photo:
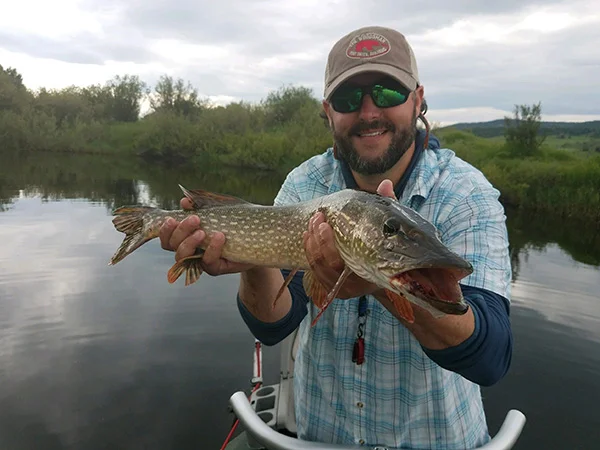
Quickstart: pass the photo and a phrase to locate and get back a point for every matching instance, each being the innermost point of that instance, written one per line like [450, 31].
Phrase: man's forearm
[268, 325]
[432, 333]
[480, 348]
[442, 333]
[258, 289]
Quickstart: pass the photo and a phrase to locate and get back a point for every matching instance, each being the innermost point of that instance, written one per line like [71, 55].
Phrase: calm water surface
[97, 357]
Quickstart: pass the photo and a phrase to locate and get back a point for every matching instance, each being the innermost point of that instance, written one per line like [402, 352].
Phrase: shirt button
[360, 404]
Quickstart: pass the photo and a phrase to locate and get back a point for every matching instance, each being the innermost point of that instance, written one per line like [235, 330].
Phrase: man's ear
[327, 111]
[419, 99]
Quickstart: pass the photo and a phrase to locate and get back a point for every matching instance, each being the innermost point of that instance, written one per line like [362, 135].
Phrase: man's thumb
[386, 188]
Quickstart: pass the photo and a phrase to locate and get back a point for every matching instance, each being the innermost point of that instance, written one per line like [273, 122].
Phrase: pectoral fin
[286, 282]
[402, 305]
[322, 299]
[314, 289]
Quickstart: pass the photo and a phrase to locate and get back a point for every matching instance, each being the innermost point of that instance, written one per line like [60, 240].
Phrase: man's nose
[368, 109]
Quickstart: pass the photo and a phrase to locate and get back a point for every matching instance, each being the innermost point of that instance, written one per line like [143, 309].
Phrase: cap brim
[403, 77]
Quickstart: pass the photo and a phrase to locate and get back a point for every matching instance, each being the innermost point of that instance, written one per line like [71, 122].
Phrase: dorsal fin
[203, 199]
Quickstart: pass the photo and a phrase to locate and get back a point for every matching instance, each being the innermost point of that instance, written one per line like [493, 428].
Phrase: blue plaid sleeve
[475, 228]
[473, 225]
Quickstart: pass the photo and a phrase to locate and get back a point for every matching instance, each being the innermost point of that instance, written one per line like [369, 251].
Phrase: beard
[402, 139]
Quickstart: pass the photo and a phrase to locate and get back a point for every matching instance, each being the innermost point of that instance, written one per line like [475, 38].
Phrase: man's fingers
[314, 222]
[320, 248]
[311, 242]
[186, 203]
[312, 250]
[185, 228]
[212, 254]
[327, 246]
[323, 244]
[165, 233]
[188, 246]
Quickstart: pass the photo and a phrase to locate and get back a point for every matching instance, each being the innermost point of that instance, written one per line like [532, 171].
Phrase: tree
[176, 96]
[124, 98]
[118, 99]
[68, 106]
[97, 97]
[15, 77]
[14, 96]
[282, 106]
[522, 131]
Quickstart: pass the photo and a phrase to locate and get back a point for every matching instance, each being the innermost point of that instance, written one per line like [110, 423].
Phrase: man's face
[371, 140]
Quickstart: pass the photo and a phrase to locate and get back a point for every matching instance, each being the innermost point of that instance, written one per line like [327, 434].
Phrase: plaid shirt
[398, 397]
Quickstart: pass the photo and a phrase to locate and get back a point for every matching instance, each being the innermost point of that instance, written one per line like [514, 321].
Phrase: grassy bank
[239, 134]
[561, 182]
[276, 134]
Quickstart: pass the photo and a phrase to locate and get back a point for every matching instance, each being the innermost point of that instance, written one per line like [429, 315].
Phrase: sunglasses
[348, 98]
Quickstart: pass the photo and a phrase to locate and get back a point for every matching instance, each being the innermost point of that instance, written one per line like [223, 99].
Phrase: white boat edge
[268, 419]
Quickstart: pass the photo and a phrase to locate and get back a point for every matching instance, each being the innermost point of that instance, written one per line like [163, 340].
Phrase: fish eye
[391, 227]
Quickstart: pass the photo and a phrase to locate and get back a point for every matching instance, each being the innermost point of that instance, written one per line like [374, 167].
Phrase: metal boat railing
[270, 423]
[270, 439]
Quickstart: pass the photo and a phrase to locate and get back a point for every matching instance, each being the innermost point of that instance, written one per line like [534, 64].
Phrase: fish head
[398, 249]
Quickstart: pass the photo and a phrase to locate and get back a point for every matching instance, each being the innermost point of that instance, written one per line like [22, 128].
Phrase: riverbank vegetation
[533, 165]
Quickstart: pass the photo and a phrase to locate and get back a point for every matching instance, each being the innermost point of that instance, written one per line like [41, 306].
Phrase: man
[418, 385]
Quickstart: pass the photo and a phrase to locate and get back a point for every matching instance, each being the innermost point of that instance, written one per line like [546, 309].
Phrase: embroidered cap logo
[368, 45]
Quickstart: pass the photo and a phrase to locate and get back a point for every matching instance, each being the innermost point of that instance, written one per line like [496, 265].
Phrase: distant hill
[495, 128]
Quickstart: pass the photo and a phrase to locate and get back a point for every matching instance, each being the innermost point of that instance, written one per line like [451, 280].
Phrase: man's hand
[184, 237]
[325, 260]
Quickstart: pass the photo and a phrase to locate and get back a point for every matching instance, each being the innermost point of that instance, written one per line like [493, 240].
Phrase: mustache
[364, 125]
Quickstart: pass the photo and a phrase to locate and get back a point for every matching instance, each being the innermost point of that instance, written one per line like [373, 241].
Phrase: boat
[268, 419]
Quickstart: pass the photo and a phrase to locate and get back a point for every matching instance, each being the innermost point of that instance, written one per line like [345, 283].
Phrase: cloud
[474, 56]
[547, 55]
[88, 49]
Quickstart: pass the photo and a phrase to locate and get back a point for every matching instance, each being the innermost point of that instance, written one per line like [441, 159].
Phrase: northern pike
[379, 239]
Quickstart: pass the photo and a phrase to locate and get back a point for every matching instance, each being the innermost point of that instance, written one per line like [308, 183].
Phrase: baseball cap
[371, 49]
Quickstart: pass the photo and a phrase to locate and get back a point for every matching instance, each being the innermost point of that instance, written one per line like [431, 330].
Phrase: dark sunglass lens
[346, 100]
[385, 97]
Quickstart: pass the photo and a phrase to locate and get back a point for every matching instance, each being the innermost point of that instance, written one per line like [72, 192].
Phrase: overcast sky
[476, 59]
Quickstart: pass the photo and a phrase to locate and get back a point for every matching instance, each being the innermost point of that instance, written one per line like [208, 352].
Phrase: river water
[98, 357]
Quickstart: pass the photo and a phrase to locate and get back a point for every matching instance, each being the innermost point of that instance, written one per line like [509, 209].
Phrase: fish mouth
[436, 286]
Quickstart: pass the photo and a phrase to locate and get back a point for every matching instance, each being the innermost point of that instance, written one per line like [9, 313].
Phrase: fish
[378, 238]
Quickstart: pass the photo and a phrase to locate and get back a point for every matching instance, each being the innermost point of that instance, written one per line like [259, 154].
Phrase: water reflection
[93, 356]
[556, 362]
[113, 182]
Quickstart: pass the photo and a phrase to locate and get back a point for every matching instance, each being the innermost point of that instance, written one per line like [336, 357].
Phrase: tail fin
[130, 220]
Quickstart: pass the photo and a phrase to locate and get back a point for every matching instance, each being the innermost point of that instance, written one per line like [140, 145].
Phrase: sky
[476, 59]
